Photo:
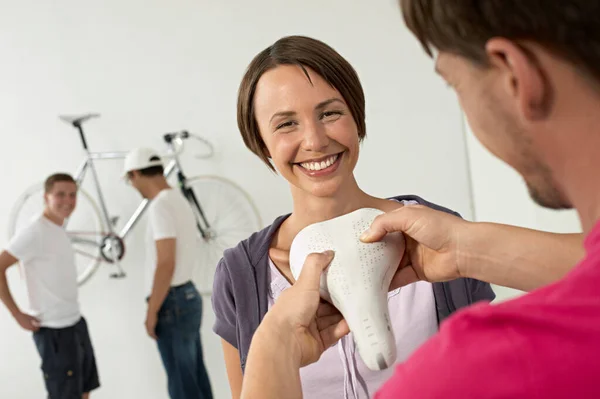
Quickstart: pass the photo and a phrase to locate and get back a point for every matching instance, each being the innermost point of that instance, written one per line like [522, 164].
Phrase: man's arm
[273, 367]
[165, 267]
[520, 258]
[443, 247]
[26, 321]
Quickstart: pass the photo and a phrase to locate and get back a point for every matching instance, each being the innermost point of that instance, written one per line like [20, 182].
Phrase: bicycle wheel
[232, 216]
[84, 227]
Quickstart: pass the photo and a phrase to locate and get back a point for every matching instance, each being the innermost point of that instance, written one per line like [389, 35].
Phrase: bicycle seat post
[76, 122]
[78, 126]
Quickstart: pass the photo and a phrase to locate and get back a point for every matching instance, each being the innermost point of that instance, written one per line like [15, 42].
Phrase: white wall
[500, 196]
[153, 66]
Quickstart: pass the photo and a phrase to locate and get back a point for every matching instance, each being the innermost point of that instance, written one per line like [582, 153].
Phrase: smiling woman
[301, 109]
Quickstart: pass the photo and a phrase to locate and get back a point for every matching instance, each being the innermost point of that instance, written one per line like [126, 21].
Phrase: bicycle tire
[230, 226]
[19, 216]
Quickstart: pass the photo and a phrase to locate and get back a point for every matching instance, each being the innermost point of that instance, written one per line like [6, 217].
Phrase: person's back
[528, 77]
[541, 345]
[170, 215]
[174, 312]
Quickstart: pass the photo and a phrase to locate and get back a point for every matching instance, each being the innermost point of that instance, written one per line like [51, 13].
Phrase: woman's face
[308, 129]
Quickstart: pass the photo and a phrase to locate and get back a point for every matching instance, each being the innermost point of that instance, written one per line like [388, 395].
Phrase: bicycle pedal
[118, 275]
[114, 220]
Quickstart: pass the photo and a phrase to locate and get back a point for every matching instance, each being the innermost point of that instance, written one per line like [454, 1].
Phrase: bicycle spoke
[82, 253]
[80, 232]
[84, 241]
[232, 217]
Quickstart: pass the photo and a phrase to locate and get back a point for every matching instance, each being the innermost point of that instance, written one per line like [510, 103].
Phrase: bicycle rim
[232, 216]
[84, 228]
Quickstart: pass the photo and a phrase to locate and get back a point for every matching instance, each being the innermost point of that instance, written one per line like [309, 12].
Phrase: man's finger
[403, 277]
[315, 263]
[332, 334]
[327, 321]
[326, 309]
[402, 219]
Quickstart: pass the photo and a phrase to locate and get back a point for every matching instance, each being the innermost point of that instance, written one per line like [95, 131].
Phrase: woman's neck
[310, 209]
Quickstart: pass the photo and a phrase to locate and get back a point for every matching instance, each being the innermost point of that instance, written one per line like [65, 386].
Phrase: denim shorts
[68, 361]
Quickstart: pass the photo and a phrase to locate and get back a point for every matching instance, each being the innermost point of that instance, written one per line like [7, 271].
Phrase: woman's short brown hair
[304, 52]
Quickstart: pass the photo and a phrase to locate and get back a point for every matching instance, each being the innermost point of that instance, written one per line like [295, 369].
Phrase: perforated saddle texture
[357, 280]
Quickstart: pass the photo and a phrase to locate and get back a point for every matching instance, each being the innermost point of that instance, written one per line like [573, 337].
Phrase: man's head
[144, 169]
[521, 70]
[60, 195]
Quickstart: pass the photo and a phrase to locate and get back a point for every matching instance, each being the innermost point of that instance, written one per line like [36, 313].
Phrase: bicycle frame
[172, 166]
[88, 163]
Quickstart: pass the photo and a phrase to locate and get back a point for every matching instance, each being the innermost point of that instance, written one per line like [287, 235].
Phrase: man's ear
[524, 80]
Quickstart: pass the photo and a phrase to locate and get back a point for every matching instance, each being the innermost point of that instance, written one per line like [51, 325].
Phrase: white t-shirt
[170, 216]
[48, 264]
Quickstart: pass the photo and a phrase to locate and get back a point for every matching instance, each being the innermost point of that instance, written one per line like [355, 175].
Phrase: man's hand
[299, 313]
[26, 321]
[434, 243]
[151, 320]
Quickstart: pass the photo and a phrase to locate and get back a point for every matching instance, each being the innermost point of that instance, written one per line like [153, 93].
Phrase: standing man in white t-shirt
[174, 305]
[48, 264]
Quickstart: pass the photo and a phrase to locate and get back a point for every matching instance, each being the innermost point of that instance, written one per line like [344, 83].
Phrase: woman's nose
[315, 138]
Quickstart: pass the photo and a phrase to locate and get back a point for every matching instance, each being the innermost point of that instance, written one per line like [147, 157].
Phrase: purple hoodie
[241, 286]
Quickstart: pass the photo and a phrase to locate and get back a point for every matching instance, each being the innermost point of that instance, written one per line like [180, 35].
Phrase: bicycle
[225, 214]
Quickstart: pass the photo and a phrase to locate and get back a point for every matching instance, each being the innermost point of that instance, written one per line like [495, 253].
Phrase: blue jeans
[178, 332]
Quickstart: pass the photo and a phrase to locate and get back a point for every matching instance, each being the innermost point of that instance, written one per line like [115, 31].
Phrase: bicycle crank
[112, 246]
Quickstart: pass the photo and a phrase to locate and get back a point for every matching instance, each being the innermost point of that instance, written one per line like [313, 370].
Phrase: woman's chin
[325, 189]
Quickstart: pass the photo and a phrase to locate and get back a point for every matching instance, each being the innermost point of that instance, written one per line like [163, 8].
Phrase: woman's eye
[331, 115]
[285, 124]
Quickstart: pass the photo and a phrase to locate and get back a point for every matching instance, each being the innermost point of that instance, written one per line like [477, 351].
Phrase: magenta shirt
[542, 345]
[340, 372]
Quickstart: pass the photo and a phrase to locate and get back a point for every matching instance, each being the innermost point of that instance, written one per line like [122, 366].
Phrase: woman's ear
[266, 152]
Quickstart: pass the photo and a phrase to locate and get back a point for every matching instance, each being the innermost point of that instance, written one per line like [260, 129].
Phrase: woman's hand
[300, 318]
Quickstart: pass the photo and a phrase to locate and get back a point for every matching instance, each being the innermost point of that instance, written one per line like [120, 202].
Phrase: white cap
[141, 158]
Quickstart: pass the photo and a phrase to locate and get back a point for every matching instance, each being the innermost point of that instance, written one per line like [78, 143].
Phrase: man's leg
[179, 345]
[167, 354]
[203, 379]
[89, 370]
[166, 328]
[188, 348]
[61, 362]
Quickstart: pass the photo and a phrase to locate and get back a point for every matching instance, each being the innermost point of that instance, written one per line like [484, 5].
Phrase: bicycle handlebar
[168, 137]
[178, 138]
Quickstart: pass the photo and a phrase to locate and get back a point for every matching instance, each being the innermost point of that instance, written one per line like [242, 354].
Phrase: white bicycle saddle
[357, 280]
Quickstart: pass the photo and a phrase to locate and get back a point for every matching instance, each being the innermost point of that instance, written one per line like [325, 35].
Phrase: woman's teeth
[320, 165]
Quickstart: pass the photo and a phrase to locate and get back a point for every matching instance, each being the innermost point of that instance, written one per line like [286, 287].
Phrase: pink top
[341, 373]
[545, 344]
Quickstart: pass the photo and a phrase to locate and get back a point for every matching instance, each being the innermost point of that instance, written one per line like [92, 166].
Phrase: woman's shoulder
[416, 199]
[252, 249]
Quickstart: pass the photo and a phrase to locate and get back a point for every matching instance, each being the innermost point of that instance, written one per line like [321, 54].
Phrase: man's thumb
[399, 220]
